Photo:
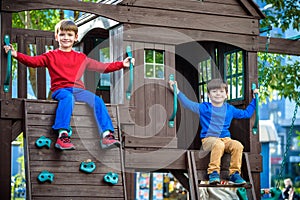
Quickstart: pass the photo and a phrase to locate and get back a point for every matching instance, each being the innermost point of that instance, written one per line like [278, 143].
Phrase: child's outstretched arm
[11, 48]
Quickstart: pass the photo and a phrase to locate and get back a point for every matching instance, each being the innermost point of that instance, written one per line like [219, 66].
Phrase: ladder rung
[246, 186]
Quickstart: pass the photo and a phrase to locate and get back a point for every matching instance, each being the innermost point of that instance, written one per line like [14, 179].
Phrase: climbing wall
[69, 182]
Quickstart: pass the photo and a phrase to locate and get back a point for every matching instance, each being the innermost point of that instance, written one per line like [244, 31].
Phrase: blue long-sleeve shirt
[215, 121]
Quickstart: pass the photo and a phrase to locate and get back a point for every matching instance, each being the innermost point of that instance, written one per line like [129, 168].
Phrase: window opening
[154, 64]
[234, 66]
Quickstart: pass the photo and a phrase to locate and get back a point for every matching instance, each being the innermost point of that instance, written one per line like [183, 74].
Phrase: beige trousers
[217, 147]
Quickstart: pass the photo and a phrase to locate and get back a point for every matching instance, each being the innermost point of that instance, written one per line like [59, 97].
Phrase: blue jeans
[66, 98]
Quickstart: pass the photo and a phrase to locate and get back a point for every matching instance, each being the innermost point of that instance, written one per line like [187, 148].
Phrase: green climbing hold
[242, 193]
[111, 178]
[45, 176]
[43, 142]
[87, 166]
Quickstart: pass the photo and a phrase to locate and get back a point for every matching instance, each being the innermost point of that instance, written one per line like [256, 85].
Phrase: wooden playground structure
[199, 40]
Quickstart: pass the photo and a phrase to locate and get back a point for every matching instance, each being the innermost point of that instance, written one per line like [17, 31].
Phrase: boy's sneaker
[236, 179]
[109, 141]
[64, 142]
[214, 178]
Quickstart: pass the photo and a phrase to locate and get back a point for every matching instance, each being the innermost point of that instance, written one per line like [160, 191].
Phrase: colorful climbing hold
[43, 142]
[45, 176]
[111, 178]
[87, 166]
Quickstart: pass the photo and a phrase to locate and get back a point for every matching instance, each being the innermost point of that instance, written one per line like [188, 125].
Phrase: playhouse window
[154, 64]
[104, 82]
[205, 74]
[234, 72]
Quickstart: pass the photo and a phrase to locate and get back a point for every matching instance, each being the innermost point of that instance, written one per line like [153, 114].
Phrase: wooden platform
[69, 182]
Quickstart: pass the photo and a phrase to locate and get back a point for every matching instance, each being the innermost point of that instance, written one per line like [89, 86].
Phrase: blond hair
[66, 25]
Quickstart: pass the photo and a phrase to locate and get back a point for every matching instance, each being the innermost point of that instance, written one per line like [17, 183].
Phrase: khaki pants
[217, 147]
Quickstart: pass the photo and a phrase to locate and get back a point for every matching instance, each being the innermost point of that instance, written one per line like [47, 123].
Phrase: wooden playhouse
[191, 41]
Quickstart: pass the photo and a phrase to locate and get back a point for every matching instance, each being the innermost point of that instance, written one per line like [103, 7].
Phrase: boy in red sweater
[66, 68]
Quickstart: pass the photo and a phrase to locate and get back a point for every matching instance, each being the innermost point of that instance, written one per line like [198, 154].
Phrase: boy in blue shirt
[215, 119]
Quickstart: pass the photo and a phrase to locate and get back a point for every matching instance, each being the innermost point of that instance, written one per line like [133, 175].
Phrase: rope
[283, 163]
[288, 143]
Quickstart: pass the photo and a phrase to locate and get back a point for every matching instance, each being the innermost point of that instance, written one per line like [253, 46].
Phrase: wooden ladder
[197, 166]
[69, 181]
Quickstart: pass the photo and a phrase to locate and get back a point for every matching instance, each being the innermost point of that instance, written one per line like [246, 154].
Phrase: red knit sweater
[67, 68]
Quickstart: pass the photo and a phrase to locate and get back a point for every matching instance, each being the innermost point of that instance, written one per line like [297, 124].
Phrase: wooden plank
[193, 179]
[5, 158]
[11, 108]
[248, 171]
[139, 93]
[279, 45]
[78, 132]
[252, 9]
[6, 24]
[154, 141]
[155, 159]
[71, 167]
[246, 186]
[83, 191]
[22, 69]
[170, 70]
[220, 8]
[31, 35]
[140, 15]
[17, 128]
[80, 178]
[49, 107]
[255, 161]
[177, 36]
[41, 71]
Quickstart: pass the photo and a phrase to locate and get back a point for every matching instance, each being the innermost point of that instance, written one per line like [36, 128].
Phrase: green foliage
[283, 14]
[276, 76]
[36, 19]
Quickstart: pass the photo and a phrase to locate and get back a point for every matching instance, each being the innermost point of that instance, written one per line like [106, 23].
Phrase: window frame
[154, 64]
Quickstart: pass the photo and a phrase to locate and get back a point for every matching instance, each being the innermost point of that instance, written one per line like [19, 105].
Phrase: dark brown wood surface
[69, 181]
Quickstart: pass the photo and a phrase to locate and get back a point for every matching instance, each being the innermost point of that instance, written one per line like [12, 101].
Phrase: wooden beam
[280, 46]
[5, 158]
[16, 129]
[11, 109]
[146, 15]
[252, 9]
[5, 29]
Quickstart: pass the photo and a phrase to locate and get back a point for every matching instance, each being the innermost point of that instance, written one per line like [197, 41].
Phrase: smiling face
[66, 39]
[217, 92]
[217, 96]
[66, 34]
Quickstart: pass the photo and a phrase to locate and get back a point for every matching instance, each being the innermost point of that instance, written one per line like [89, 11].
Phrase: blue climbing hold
[42, 142]
[111, 178]
[45, 176]
[87, 166]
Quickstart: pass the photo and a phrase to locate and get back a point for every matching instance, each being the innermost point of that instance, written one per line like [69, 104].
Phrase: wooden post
[5, 29]
[5, 158]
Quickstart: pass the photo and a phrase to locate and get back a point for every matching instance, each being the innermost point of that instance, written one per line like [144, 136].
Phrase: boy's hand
[126, 61]
[8, 48]
[171, 83]
[255, 91]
